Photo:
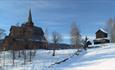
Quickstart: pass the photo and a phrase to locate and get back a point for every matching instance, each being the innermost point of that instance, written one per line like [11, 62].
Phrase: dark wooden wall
[101, 35]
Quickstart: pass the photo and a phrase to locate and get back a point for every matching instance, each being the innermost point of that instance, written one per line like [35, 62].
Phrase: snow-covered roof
[102, 30]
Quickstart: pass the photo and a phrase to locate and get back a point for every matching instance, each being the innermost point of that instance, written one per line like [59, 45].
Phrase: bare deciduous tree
[56, 38]
[75, 36]
[112, 37]
[46, 37]
[109, 25]
[110, 28]
[2, 33]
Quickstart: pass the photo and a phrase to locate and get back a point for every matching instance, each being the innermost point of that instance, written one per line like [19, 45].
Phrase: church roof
[37, 32]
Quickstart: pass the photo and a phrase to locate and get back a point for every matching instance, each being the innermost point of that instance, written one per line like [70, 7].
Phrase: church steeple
[30, 16]
[30, 19]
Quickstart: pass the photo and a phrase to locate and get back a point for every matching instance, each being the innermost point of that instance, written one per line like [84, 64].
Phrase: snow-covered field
[102, 58]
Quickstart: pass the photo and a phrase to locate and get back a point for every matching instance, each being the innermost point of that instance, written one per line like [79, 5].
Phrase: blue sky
[57, 15]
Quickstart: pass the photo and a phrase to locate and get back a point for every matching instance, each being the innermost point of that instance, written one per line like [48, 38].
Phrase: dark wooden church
[26, 36]
[101, 37]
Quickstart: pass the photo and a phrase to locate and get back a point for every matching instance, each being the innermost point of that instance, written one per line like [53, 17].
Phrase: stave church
[26, 36]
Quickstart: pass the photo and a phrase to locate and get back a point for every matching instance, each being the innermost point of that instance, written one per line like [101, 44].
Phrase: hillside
[94, 59]
[102, 58]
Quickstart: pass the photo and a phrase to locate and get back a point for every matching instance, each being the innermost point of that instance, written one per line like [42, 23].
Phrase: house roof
[102, 30]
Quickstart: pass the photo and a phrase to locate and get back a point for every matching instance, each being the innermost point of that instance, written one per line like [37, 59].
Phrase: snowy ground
[102, 58]
[42, 61]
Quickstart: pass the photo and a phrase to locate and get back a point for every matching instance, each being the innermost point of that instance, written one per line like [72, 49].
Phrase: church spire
[30, 18]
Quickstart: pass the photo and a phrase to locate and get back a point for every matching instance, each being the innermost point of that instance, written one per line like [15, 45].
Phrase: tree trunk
[30, 55]
[19, 54]
[53, 53]
[13, 56]
[24, 56]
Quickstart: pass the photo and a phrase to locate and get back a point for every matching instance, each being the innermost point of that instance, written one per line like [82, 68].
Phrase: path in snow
[102, 58]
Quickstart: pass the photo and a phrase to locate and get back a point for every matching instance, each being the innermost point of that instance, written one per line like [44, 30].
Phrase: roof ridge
[103, 30]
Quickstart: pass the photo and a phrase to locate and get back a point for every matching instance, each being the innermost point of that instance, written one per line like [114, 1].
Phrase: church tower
[30, 22]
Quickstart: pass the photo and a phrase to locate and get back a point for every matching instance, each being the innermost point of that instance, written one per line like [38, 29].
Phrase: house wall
[101, 35]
